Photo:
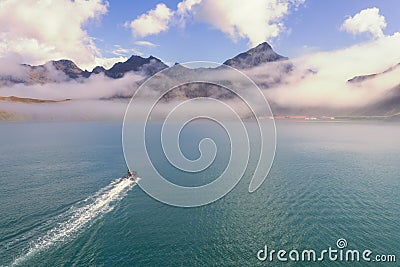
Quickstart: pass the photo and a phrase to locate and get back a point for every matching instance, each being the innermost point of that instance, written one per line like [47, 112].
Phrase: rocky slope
[263, 53]
[362, 78]
[64, 70]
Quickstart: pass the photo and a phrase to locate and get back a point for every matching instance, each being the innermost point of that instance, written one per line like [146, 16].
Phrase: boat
[131, 175]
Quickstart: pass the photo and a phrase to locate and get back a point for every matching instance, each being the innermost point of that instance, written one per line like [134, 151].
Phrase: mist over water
[316, 82]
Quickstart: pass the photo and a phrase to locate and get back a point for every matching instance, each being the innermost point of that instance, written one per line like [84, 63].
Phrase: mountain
[64, 70]
[147, 66]
[256, 56]
[266, 77]
[362, 78]
[50, 72]
[388, 105]
[70, 69]
[98, 69]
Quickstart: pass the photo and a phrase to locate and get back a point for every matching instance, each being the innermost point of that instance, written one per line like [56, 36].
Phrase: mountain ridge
[262, 53]
[362, 78]
[65, 69]
[68, 70]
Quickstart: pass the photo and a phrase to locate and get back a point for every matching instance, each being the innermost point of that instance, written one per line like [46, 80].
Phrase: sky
[98, 32]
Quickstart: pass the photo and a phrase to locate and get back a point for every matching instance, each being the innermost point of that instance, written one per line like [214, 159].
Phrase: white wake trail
[76, 218]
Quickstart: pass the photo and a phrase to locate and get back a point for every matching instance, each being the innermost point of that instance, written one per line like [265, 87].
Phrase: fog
[317, 80]
[320, 79]
[67, 111]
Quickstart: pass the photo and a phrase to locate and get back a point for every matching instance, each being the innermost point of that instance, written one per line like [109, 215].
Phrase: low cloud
[96, 87]
[366, 21]
[314, 81]
[108, 62]
[95, 98]
[10, 65]
[71, 110]
[321, 79]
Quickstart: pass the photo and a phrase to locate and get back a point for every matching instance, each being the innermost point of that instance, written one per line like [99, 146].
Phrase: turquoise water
[328, 181]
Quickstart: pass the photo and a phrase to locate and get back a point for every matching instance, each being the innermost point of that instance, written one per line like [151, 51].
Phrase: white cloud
[255, 20]
[328, 87]
[107, 62]
[186, 6]
[121, 51]
[184, 10]
[366, 21]
[145, 43]
[153, 22]
[45, 30]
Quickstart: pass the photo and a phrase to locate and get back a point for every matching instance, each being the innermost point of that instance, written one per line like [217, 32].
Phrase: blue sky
[315, 25]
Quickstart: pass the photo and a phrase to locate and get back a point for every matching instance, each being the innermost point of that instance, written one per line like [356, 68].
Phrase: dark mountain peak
[98, 69]
[45, 73]
[133, 58]
[258, 55]
[68, 67]
[262, 47]
[147, 66]
[151, 57]
[64, 62]
[138, 59]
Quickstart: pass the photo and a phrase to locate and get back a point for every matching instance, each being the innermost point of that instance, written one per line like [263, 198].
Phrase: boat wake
[79, 216]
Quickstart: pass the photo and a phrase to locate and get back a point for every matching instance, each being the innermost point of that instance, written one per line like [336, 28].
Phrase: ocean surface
[59, 205]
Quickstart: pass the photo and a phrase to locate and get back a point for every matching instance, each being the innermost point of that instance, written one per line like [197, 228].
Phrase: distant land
[30, 100]
[64, 70]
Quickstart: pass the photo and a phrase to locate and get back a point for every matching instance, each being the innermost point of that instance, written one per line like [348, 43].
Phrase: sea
[332, 186]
